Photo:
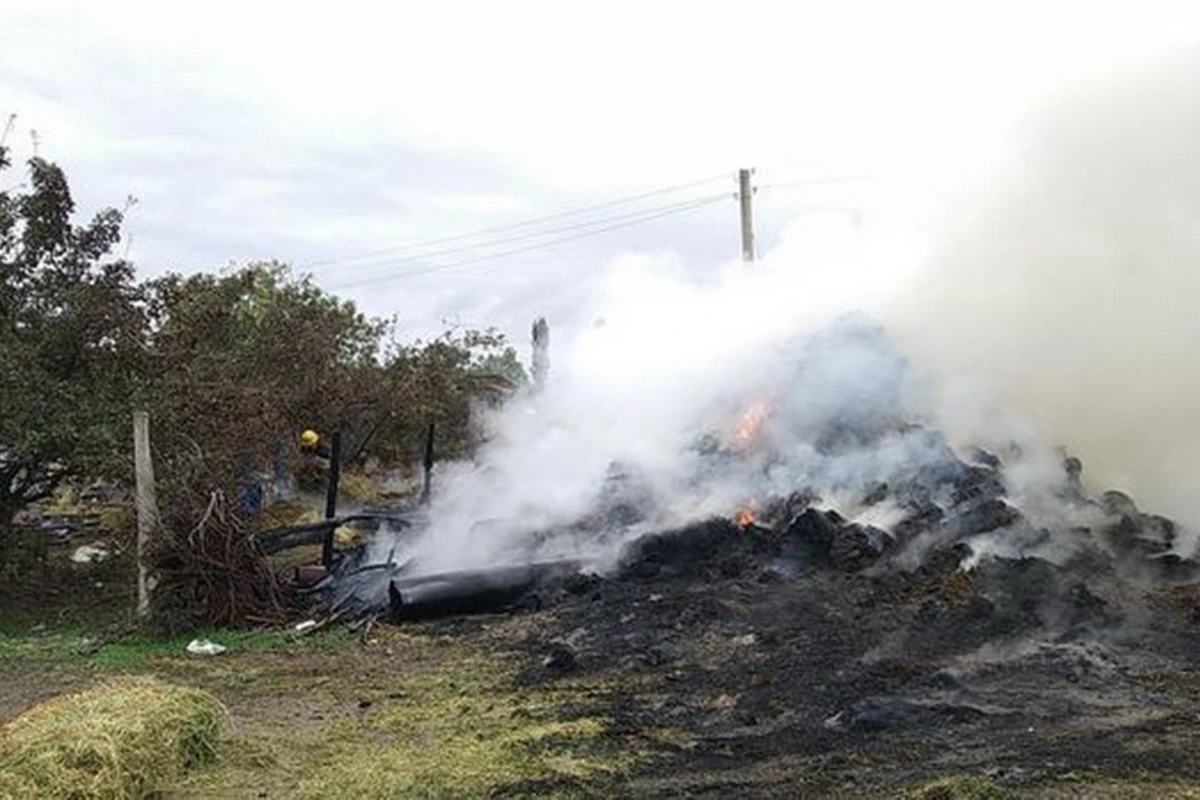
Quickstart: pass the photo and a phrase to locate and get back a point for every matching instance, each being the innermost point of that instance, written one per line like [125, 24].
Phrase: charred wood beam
[279, 539]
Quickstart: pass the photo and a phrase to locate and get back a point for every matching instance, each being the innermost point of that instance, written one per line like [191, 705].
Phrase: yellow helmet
[309, 438]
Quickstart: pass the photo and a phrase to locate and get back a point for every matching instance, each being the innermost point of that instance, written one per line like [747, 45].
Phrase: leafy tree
[72, 327]
[441, 382]
[242, 360]
[228, 364]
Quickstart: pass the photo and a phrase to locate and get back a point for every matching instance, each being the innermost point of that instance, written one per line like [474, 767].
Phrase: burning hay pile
[823, 471]
[823, 573]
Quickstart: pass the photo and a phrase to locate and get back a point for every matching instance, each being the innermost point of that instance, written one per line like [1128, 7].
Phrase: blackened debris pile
[810, 654]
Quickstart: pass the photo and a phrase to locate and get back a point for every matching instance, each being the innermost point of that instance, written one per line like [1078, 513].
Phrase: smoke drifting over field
[1053, 306]
[1067, 285]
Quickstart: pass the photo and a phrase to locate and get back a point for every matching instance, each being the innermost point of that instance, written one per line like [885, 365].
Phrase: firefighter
[311, 444]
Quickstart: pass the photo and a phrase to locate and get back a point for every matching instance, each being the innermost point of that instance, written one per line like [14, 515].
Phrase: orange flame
[750, 422]
[744, 518]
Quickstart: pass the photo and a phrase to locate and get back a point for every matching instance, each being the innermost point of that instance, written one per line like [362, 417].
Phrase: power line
[690, 206]
[516, 225]
[677, 209]
[503, 240]
[811, 181]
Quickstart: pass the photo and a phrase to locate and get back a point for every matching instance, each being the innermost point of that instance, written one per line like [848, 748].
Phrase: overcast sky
[317, 133]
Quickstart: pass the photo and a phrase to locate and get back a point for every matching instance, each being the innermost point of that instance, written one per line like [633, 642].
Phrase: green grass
[114, 651]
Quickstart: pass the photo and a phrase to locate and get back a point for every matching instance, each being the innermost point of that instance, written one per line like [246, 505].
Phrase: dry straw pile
[128, 738]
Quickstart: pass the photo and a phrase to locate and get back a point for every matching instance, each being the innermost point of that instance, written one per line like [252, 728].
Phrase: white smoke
[675, 357]
[1053, 308]
[1065, 286]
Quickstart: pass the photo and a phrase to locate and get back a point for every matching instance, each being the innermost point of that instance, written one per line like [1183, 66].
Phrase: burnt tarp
[277, 540]
[402, 593]
[473, 591]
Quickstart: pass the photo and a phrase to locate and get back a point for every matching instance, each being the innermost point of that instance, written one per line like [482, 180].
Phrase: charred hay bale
[884, 713]
[1118, 504]
[977, 484]
[1073, 467]
[939, 469]
[1138, 535]
[845, 435]
[1185, 600]
[940, 583]
[922, 517]
[714, 548]
[875, 495]
[1174, 568]
[780, 512]
[983, 517]
[855, 547]
[811, 534]
[939, 566]
[1090, 562]
[1164, 528]
[1039, 592]
[985, 458]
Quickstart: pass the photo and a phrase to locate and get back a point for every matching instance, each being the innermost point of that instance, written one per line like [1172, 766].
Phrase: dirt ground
[846, 685]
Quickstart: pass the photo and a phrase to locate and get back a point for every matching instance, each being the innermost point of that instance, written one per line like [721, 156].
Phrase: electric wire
[811, 181]
[516, 225]
[505, 240]
[677, 209]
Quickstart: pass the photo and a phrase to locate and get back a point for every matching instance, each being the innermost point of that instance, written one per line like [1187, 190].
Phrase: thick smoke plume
[1066, 286]
[669, 370]
[1052, 307]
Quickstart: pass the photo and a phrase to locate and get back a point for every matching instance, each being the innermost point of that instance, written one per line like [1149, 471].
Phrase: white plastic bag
[203, 647]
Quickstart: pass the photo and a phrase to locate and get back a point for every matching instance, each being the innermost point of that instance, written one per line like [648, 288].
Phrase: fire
[751, 421]
[745, 518]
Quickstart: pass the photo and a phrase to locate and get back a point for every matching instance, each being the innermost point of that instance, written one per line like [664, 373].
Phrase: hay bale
[128, 738]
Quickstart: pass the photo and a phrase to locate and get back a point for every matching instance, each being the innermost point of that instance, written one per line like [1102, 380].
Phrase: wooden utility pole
[745, 199]
[147, 512]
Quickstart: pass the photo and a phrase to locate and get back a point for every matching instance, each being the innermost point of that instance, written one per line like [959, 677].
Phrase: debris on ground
[203, 647]
[92, 553]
